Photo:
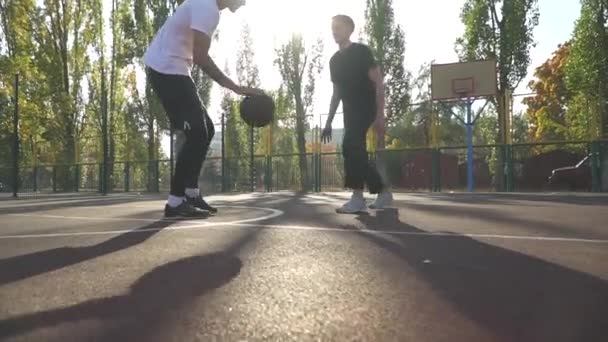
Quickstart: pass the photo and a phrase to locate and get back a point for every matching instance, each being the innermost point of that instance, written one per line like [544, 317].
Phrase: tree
[248, 75]
[415, 128]
[232, 140]
[587, 71]
[501, 30]
[147, 17]
[16, 51]
[387, 41]
[546, 110]
[299, 68]
[65, 33]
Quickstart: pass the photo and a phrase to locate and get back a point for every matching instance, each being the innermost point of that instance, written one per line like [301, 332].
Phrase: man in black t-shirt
[358, 84]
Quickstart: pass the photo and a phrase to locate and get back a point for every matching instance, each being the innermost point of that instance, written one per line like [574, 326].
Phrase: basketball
[257, 110]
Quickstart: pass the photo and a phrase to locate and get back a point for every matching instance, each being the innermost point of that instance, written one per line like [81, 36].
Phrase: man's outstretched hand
[326, 135]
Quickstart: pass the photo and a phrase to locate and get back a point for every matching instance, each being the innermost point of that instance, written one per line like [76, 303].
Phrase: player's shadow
[517, 296]
[498, 216]
[24, 266]
[541, 199]
[148, 305]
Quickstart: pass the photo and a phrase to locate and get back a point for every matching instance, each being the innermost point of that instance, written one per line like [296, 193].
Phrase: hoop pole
[469, 125]
[16, 139]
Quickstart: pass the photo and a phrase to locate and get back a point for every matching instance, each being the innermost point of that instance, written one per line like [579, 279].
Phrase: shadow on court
[497, 216]
[29, 265]
[584, 199]
[518, 297]
[73, 202]
[153, 304]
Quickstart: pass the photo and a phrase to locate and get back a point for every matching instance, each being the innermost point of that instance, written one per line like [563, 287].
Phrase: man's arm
[201, 57]
[333, 105]
[375, 74]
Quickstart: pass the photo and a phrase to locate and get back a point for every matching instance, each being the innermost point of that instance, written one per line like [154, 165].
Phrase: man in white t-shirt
[183, 41]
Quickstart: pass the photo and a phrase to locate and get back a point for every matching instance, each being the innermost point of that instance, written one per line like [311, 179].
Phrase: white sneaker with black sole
[384, 200]
[355, 205]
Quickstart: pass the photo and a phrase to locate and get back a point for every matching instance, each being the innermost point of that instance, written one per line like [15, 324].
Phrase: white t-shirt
[171, 49]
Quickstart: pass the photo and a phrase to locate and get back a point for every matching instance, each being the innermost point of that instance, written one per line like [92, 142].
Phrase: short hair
[346, 20]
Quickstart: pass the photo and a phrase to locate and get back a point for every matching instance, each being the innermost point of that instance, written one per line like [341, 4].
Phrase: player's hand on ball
[326, 135]
[249, 91]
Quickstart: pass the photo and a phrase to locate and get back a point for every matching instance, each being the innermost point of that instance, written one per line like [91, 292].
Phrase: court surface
[285, 267]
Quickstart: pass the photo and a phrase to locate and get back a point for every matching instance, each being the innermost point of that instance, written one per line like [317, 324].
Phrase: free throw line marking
[273, 213]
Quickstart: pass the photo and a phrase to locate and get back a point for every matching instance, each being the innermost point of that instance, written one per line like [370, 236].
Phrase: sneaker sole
[360, 212]
[200, 216]
[185, 218]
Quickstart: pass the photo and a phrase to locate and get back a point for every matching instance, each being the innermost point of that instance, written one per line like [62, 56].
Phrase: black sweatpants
[358, 170]
[188, 116]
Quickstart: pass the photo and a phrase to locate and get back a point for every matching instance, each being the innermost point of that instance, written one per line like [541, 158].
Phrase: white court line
[429, 234]
[247, 223]
[273, 213]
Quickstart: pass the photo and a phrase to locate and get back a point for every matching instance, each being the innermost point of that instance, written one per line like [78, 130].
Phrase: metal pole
[251, 166]
[16, 139]
[171, 157]
[104, 129]
[469, 146]
[223, 153]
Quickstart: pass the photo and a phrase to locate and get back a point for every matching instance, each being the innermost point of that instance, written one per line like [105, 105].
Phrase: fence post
[100, 185]
[157, 174]
[320, 172]
[127, 176]
[436, 170]
[16, 139]
[35, 179]
[171, 156]
[77, 178]
[268, 180]
[251, 161]
[54, 178]
[223, 123]
[595, 167]
[509, 167]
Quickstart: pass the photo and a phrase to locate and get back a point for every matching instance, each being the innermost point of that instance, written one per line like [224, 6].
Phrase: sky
[431, 28]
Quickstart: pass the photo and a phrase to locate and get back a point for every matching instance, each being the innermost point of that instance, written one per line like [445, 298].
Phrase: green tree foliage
[249, 75]
[547, 108]
[587, 72]
[387, 40]
[501, 30]
[16, 50]
[299, 67]
[414, 129]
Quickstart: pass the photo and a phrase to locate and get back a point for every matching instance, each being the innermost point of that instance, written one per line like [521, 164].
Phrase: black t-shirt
[349, 70]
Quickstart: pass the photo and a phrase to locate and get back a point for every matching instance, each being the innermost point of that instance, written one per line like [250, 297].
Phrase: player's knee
[195, 131]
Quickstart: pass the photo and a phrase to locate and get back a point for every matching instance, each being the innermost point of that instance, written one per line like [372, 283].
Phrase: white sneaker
[354, 206]
[384, 200]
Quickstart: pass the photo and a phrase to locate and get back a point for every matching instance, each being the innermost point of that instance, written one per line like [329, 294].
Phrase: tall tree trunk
[301, 141]
[152, 176]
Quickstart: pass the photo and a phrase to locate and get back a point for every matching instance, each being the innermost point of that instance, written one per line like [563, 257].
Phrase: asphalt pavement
[286, 267]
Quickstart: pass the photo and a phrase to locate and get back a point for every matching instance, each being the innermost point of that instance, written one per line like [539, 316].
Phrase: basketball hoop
[455, 81]
[466, 82]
